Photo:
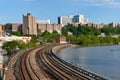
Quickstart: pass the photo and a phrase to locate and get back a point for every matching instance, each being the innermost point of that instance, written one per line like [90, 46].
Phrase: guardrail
[94, 76]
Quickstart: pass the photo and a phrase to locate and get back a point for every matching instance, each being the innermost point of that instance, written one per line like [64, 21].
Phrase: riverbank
[95, 45]
[56, 49]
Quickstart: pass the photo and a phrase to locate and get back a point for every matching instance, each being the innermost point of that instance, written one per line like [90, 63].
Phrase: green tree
[10, 46]
[34, 38]
[7, 27]
[17, 33]
[42, 43]
[65, 30]
[55, 34]
[21, 45]
[46, 36]
[31, 44]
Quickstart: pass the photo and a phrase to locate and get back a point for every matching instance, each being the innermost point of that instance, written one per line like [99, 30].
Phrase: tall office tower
[29, 24]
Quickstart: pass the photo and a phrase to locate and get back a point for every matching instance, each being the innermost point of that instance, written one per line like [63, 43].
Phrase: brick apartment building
[49, 27]
[60, 40]
[17, 27]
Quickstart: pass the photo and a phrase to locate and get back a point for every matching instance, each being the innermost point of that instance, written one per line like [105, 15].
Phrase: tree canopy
[85, 35]
[17, 33]
[11, 46]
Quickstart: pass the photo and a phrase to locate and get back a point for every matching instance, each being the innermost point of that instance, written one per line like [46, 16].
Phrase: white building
[72, 19]
[65, 20]
[80, 19]
[114, 24]
[10, 38]
[43, 21]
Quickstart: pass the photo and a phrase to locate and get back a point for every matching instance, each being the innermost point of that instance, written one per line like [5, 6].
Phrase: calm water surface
[104, 60]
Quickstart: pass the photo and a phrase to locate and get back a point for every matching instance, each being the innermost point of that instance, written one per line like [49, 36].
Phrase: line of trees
[86, 30]
[85, 35]
[92, 40]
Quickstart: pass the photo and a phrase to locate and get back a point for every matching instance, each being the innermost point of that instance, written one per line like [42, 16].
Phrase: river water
[103, 60]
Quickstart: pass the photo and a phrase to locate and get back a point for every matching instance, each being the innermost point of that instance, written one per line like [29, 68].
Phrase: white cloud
[107, 3]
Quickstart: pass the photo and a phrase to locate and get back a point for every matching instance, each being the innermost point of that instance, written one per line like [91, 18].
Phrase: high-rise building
[29, 24]
[72, 19]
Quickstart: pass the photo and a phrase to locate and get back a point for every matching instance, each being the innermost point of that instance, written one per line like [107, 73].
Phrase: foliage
[111, 30]
[34, 38]
[17, 33]
[48, 37]
[31, 44]
[54, 34]
[81, 30]
[42, 43]
[65, 30]
[7, 26]
[85, 35]
[94, 40]
[10, 46]
[21, 45]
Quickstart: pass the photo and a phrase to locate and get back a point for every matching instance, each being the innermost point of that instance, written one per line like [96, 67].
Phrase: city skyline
[104, 11]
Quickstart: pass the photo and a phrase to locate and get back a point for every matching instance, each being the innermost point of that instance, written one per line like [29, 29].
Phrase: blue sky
[97, 11]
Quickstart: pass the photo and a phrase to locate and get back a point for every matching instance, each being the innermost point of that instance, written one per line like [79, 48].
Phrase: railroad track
[55, 67]
[51, 69]
[39, 64]
[24, 70]
[75, 75]
[35, 69]
[30, 70]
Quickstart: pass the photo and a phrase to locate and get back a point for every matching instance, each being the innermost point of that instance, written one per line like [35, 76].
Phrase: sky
[97, 11]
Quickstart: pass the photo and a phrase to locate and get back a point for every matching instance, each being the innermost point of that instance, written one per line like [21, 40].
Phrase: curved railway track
[39, 64]
[53, 70]
[24, 69]
[30, 70]
[55, 67]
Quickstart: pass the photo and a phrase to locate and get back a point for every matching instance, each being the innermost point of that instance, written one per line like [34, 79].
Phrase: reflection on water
[104, 60]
